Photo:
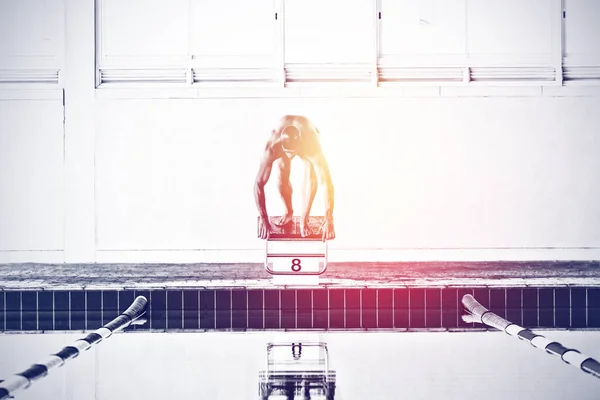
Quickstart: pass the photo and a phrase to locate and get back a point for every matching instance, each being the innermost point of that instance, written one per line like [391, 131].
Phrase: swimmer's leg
[309, 189]
[285, 189]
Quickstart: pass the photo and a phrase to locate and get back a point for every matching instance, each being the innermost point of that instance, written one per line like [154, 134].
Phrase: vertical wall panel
[347, 39]
[511, 27]
[410, 27]
[582, 30]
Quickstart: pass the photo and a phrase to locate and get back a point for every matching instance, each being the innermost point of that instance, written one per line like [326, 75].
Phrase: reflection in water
[297, 370]
[368, 365]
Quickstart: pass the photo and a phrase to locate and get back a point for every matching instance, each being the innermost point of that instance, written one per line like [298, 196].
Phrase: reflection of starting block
[293, 259]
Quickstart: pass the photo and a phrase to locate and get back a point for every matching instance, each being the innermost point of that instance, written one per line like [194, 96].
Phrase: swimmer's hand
[305, 228]
[328, 229]
[264, 230]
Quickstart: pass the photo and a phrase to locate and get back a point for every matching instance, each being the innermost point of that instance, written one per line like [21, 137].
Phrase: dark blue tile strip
[239, 309]
[369, 308]
[320, 309]
[546, 307]
[417, 308]
[401, 308]
[337, 319]
[62, 308]
[514, 307]
[174, 309]
[223, 309]
[13, 310]
[366, 308]
[385, 313]
[46, 311]
[304, 311]
[29, 311]
[433, 308]
[271, 309]
[593, 310]
[450, 313]
[530, 308]
[2, 310]
[207, 309]
[94, 309]
[158, 307]
[110, 305]
[191, 309]
[288, 309]
[482, 295]
[77, 318]
[353, 301]
[562, 307]
[498, 301]
[255, 309]
[578, 308]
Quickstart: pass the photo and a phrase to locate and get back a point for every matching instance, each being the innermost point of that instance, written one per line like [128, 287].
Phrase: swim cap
[290, 138]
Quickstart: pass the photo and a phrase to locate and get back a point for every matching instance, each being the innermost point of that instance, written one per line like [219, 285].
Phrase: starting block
[292, 259]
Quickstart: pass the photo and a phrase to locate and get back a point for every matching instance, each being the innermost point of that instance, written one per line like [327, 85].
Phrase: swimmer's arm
[323, 175]
[264, 172]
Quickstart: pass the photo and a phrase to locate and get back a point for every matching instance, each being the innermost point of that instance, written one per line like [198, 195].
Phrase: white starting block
[294, 260]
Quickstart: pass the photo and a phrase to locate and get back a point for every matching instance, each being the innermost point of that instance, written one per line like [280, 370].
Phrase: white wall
[422, 171]
[408, 173]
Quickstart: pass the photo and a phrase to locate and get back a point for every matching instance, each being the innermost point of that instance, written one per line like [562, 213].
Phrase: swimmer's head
[290, 140]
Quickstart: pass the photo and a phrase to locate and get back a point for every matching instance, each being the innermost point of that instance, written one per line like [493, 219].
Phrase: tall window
[422, 27]
[581, 49]
[233, 32]
[332, 31]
